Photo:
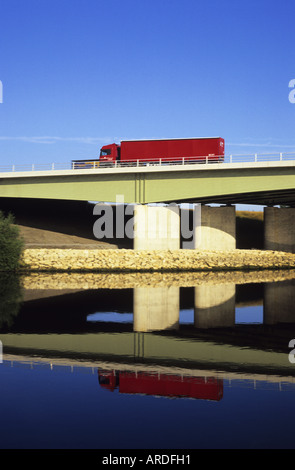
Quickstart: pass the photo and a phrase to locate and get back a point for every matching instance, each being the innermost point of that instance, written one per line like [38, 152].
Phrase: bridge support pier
[157, 309]
[156, 227]
[215, 306]
[159, 228]
[279, 300]
[279, 229]
[216, 229]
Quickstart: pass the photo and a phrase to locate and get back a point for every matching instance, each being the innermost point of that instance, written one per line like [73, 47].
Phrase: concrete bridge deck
[261, 182]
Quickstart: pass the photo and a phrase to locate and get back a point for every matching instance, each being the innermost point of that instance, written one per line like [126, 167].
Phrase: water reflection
[215, 305]
[279, 303]
[162, 385]
[10, 298]
[156, 309]
[174, 337]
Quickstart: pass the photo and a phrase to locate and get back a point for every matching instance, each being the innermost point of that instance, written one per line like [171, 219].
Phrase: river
[150, 361]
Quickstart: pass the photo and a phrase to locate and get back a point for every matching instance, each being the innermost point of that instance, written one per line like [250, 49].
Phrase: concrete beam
[279, 229]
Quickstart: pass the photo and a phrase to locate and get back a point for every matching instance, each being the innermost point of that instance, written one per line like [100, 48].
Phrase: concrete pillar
[279, 229]
[156, 308]
[215, 305]
[279, 301]
[156, 228]
[217, 229]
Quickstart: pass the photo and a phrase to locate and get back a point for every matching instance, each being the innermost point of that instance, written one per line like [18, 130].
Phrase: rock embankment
[129, 280]
[71, 260]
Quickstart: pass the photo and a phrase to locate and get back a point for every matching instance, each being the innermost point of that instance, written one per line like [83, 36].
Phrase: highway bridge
[252, 180]
[265, 180]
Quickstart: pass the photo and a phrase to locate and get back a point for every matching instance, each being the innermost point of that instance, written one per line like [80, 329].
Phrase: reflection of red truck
[168, 385]
[209, 149]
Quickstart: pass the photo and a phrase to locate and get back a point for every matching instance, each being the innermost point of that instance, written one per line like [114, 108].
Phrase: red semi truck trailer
[143, 152]
[165, 385]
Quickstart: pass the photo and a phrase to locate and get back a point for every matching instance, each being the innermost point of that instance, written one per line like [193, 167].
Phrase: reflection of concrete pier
[156, 309]
[279, 302]
[215, 306]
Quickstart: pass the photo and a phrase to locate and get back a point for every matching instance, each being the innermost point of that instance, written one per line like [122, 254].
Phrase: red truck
[143, 152]
[165, 385]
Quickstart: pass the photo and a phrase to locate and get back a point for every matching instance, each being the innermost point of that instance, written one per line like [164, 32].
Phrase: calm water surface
[149, 367]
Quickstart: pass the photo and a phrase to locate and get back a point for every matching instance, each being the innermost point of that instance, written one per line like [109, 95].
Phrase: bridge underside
[228, 184]
[263, 198]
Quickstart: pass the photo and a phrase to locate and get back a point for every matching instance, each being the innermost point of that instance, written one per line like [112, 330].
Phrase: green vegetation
[10, 299]
[11, 244]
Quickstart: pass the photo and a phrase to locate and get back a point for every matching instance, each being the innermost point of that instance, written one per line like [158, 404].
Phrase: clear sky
[78, 74]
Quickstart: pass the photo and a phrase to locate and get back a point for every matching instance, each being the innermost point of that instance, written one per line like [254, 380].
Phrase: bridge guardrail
[242, 158]
[263, 157]
[283, 384]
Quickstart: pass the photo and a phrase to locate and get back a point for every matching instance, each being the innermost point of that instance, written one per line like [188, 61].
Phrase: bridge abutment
[279, 229]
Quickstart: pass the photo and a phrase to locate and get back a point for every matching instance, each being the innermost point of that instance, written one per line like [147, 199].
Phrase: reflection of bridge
[257, 182]
[249, 380]
[160, 384]
[212, 340]
[214, 306]
[153, 308]
[211, 344]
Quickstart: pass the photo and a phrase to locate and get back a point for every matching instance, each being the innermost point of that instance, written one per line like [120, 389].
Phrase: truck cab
[108, 380]
[109, 154]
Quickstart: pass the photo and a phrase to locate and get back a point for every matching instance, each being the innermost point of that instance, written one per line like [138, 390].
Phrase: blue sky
[78, 74]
